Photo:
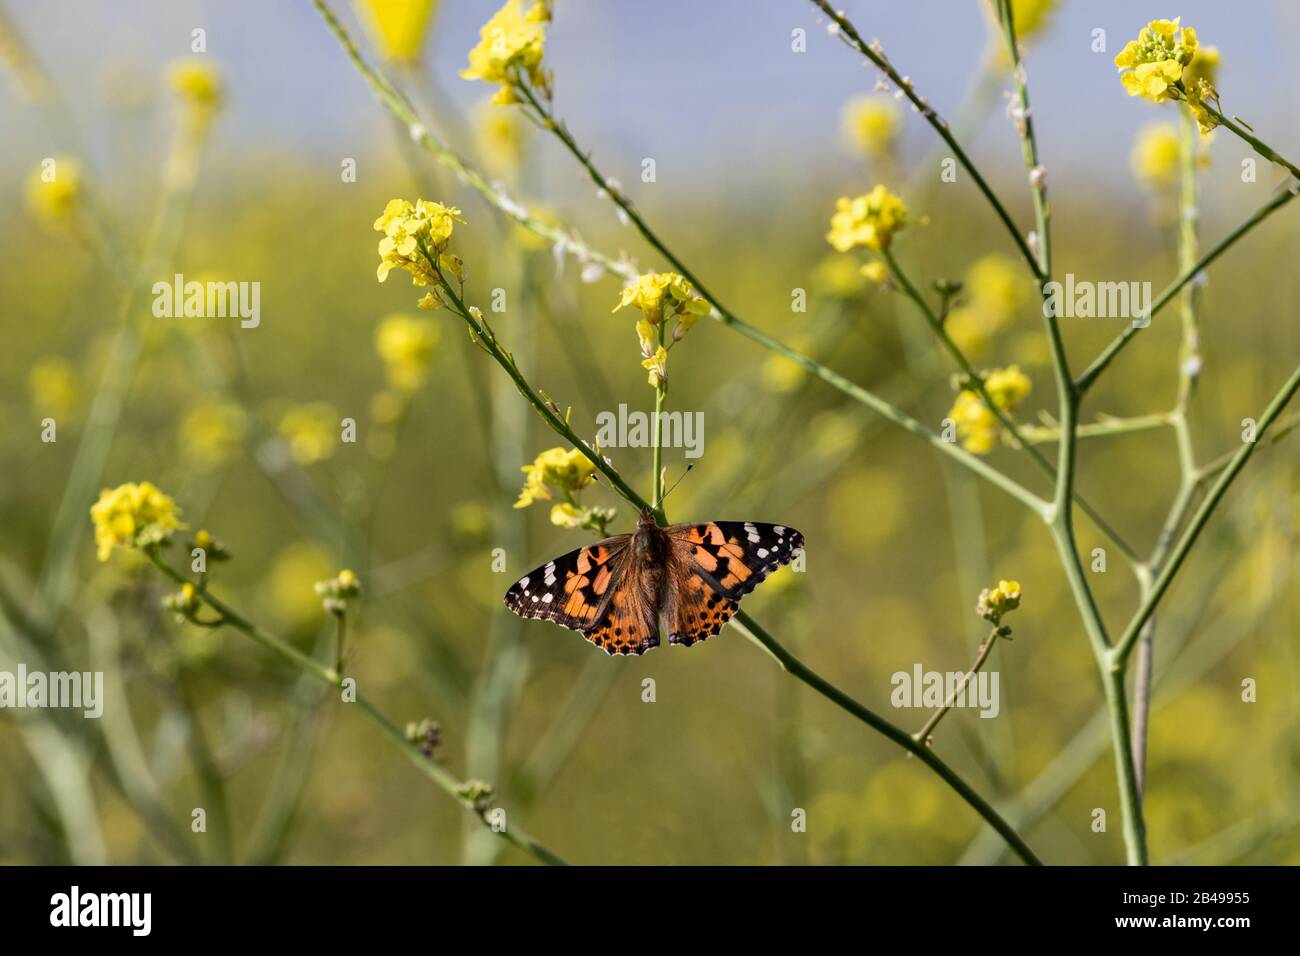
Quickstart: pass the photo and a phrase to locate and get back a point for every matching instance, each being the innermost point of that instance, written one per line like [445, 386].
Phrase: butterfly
[689, 577]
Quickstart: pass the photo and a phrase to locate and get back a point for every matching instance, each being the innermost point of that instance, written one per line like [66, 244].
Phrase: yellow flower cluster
[406, 346]
[52, 386]
[397, 27]
[978, 428]
[132, 516]
[566, 471]
[1161, 65]
[994, 603]
[660, 295]
[868, 220]
[995, 289]
[871, 125]
[510, 48]
[54, 191]
[199, 86]
[415, 237]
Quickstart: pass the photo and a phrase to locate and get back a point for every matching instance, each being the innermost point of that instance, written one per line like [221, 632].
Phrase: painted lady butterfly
[690, 577]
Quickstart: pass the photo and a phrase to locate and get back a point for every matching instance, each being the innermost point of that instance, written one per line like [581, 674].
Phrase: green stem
[796, 668]
[1089, 376]
[1253, 141]
[922, 736]
[850, 35]
[444, 779]
[1037, 435]
[1119, 653]
[661, 395]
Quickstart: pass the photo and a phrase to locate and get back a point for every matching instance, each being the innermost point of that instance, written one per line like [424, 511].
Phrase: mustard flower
[335, 592]
[133, 515]
[412, 235]
[871, 125]
[839, 276]
[978, 428]
[1161, 65]
[397, 27]
[658, 294]
[500, 136]
[311, 431]
[995, 289]
[510, 48]
[1155, 155]
[657, 365]
[996, 602]
[565, 471]
[184, 603]
[54, 192]
[868, 220]
[406, 346]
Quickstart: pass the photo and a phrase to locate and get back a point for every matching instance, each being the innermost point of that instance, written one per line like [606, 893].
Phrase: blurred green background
[240, 426]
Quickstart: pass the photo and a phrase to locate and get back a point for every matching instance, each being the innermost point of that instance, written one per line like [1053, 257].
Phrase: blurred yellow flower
[511, 44]
[566, 515]
[397, 27]
[198, 83]
[210, 432]
[868, 220]
[311, 431]
[782, 375]
[52, 387]
[1030, 16]
[406, 346]
[871, 124]
[1152, 65]
[290, 584]
[840, 276]
[875, 271]
[978, 428]
[500, 137]
[1008, 387]
[411, 232]
[54, 191]
[568, 471]
[995, 289]
[1155, 155]
[133, 515]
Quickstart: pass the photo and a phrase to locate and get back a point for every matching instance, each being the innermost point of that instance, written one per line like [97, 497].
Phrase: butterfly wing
[716, 564]
[574, 589]
[630, 623]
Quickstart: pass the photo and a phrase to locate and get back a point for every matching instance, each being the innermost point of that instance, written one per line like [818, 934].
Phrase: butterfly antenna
[660, 502]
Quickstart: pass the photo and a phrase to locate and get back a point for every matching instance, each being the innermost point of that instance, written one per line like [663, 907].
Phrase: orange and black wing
[714, 565]
[574, 589]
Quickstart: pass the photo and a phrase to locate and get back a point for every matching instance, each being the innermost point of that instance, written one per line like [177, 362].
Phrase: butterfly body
[686, 578]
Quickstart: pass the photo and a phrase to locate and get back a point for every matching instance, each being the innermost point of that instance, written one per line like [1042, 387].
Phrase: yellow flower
[657, 364]
[212, 431]
[289, 585]
[54, 191]
[1155, 155]
[994, 603]
[412, 233]
[868, 220]
[1007, 387]
[199, 86]
[1152, 65]
[565, 515]
[406, 346]
[132, 516]
[311, 431]
[510, 47]
[1199, 79]
[660, 293]
[871, 124]
[566, 471]
[977, 427]
[1030, 16]
[397, 27]
[875, 271]
[52, 386]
